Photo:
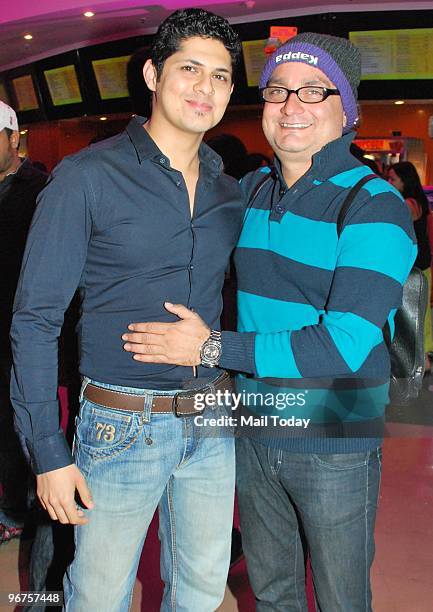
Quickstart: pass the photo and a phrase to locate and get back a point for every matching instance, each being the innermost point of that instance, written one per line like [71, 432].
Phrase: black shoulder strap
[348, 201]
[260, 184]
[340, 220]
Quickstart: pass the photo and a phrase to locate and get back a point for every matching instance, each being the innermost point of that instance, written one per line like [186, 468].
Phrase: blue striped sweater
[311, 306]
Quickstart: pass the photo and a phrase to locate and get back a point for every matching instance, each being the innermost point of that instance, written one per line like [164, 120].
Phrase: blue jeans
[295, 504]
[134, 462]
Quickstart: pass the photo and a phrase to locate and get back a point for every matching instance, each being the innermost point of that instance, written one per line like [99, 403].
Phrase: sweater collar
[333, 158]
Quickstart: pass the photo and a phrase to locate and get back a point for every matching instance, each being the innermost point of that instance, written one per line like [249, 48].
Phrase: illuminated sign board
[395, 54]
[63, 85]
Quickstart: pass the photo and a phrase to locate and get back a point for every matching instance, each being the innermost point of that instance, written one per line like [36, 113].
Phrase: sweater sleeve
[376, 251]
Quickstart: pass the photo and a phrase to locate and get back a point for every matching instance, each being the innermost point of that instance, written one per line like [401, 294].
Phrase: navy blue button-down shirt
[115, 221]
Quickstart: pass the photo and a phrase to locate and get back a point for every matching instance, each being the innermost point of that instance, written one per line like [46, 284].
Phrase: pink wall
[26, 10]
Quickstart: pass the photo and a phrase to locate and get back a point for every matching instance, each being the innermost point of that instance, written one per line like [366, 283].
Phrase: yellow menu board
[111, 77]
[63, 85]
[254, 59]
[25, 93]
[395, 54]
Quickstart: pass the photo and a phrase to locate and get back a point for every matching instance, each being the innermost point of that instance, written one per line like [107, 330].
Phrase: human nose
[292, 104]
[204, 85]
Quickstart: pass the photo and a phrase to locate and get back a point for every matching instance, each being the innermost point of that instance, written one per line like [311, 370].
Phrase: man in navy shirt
[140, 218]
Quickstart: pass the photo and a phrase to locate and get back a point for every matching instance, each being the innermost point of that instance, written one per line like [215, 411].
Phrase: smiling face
[194, 87]
[296, 130]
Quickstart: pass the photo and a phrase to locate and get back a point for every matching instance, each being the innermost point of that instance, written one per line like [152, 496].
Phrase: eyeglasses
[309, 94]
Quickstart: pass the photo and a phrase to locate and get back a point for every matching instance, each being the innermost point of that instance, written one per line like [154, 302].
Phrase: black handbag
[407, 346]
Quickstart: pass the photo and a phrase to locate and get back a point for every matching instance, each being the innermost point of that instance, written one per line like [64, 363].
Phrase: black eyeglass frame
[327, 91]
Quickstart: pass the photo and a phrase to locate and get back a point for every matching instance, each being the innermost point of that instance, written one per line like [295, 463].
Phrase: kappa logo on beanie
[293, 55]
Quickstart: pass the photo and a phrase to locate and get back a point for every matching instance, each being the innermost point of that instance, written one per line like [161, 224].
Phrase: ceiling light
[89, 14]
[102, 118]
[28, 36]
[23, 132]
[399, 102]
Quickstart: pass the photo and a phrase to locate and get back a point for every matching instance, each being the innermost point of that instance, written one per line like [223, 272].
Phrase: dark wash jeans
[292, 504]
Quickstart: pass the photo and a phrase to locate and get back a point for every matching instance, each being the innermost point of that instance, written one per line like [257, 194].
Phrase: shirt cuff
[50, 453]
[238, 351]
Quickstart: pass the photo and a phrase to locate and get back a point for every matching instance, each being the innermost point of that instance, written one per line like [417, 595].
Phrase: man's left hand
[175, 343]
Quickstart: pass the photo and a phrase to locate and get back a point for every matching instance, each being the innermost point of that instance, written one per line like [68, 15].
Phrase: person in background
[404, 177]
[20, 184]
[232, 151]
[40, 166]
[257, 160]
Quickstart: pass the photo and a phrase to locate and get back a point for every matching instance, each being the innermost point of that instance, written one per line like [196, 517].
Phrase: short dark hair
[8, 132]
[187, 23]
[232, 151]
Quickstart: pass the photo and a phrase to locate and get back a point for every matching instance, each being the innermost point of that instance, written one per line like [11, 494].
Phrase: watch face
[211, 351]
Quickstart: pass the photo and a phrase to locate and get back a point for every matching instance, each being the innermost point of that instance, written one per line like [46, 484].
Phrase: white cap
[8, 118]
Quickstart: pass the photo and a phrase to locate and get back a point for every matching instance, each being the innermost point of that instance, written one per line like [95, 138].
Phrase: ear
[14, 139]
[149, 74]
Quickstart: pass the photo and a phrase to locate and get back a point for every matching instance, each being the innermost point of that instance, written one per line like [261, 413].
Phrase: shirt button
[178, 183]
[190, 267]
[279, 209]
[162, 160]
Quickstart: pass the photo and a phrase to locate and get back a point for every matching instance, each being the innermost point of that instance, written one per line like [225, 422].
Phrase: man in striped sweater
[314, 368]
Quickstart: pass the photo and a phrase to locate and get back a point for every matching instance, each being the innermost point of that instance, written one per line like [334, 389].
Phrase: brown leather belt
[180, 404]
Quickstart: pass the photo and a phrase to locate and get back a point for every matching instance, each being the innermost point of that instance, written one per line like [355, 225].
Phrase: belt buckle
[174, 404]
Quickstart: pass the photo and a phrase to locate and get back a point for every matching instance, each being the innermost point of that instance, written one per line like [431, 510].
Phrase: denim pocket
[343, 461]
[102, 431]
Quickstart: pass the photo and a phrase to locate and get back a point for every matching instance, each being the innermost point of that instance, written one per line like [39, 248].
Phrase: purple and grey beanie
[336, 57]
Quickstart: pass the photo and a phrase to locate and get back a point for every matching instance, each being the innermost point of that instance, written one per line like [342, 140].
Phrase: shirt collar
[24, 169]
[146, 148]
[333, 158]
[17, 169]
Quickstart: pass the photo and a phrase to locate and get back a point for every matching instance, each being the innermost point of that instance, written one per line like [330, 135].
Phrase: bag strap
[349, 199]
[340, 220]
[255, 192]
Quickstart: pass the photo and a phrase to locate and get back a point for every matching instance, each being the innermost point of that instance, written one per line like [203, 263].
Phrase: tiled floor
[403, 569]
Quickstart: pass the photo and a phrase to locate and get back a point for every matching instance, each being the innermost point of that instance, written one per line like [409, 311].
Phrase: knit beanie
[336, 57]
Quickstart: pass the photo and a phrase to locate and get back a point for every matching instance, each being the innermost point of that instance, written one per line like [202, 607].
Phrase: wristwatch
[210, 350]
